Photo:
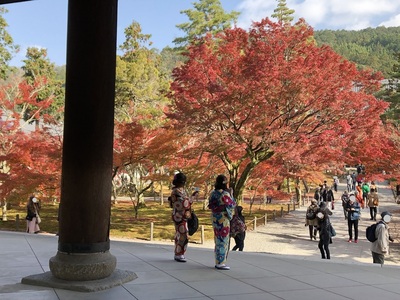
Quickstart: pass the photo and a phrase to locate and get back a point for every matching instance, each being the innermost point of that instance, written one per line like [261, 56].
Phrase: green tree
[208, 16]
[370, 47]
[39, 71]
[282, 13]
[7, 46]
[170, 59]
[140, 85]
[391, 94]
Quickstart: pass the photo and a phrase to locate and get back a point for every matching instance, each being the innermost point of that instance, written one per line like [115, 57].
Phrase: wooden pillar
[88, 143]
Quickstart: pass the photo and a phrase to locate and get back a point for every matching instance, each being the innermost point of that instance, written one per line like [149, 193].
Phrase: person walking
[373, 203]
[317, 195]
[380, 248]
[222, 205]
[353, 210]
[365, 192]
[345, 199]
[311, 219]
[32, 215]
[239, 237]
[323, 191]
[181, 212]
[359, 195]
[330, 198]
[349, 181]
[324, 228]
[373, 187]
[335, 183]
[354, 177]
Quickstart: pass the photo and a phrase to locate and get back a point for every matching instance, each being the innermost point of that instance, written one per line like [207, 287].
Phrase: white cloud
[361, 7]
[392, 22]
[313, 11]
[254, 10]
[327, 14]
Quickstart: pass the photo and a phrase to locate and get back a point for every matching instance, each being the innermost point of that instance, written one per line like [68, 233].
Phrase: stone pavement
[288, 267]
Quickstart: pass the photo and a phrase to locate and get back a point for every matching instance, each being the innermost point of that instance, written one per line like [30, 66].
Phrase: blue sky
[43, 23]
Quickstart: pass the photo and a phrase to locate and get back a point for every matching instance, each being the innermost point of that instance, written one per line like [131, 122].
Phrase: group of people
[352, 203]
[320, 222]
[223, 207]
[325, 194]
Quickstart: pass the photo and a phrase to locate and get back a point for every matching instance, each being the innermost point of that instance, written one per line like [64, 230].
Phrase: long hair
[221, 182]
[179, 180]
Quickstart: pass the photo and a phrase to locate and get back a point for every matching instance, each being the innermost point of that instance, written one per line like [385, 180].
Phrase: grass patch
[124, 224]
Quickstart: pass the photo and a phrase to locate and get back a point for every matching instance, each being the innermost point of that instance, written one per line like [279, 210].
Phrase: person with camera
[353, 210]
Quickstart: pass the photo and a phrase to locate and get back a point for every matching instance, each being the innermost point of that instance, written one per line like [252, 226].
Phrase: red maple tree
[248, 96]
[30, 153]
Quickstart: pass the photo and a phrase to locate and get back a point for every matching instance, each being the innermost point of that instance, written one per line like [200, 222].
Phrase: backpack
[237, 226]
[370, 232]
[329, 196]
[311, 214]
[193, 223]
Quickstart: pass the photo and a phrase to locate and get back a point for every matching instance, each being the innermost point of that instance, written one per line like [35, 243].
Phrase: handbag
[38, 219]
[193, 223]
[237, 226]
[332, 230]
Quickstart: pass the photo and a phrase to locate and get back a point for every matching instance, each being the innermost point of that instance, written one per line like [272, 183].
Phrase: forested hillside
[372, 47]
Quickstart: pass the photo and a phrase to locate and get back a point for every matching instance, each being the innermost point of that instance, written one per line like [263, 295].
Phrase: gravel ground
[289, 236]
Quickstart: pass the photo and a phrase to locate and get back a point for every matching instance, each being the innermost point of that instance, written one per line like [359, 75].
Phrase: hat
[313, 201]
[35, 200]
[386, 216]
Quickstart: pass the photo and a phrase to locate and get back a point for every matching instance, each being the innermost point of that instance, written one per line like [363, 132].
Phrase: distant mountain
[370, 47]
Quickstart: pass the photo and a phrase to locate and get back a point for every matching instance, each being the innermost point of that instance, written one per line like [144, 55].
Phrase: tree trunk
[4, 211]
[237, 183]
[306, 188]
[161, 194]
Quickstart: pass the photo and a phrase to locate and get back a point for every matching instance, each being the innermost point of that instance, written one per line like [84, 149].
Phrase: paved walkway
[289, 268]
[289, 236]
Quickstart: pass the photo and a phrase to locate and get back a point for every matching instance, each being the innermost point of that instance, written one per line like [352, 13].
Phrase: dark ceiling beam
[12, 1]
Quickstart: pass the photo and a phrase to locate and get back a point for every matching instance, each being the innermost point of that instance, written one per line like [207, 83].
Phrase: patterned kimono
[359, 196]
[222, 206]
[181, 212]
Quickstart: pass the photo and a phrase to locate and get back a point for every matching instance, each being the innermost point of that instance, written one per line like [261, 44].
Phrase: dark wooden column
[88, 143]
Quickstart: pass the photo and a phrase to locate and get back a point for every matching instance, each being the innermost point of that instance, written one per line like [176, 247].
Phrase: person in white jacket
[380, 247]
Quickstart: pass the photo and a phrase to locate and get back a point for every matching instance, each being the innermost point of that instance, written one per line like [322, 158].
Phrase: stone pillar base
[82, 266]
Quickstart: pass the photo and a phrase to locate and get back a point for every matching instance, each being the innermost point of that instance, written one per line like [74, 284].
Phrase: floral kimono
[222, 206]
[180, 213]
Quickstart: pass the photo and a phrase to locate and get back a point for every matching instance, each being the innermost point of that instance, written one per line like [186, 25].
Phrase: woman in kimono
[222, 206]
[181, 212]
[359, 195]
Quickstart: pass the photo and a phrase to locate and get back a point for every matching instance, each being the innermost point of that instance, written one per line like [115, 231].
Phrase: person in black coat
[239, 238]
[330, 198]
[325, 236]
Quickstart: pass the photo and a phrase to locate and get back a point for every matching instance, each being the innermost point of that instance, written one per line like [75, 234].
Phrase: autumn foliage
[262, 105]
[30, 142]
[271, 92]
